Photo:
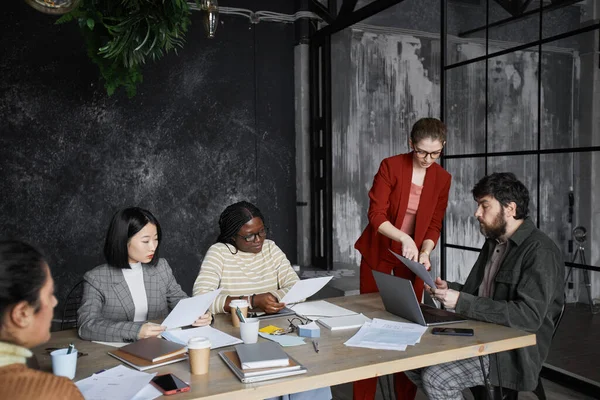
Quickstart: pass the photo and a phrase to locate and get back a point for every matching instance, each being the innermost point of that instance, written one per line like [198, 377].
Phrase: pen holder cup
[64, 364]
[249, 330]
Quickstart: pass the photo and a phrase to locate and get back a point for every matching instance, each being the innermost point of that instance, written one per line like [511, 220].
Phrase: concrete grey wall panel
[208, 127]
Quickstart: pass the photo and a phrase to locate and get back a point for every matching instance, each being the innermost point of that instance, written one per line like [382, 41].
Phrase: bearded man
[517, 281]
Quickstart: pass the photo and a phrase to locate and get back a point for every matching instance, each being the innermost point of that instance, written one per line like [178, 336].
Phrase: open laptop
[399, 299]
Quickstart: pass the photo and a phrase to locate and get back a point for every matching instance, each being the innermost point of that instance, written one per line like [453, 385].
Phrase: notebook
[153, 349]
[259, 374]
[140, 364]
[399, 298]
[344, 322]
[262, 355]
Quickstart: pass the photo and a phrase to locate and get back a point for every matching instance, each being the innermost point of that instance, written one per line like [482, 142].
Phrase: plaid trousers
[447, 381]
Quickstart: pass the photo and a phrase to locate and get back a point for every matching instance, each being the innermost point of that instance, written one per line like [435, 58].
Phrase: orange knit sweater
[17, 382]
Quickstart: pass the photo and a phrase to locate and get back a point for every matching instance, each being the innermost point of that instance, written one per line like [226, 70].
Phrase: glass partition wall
[522, 95]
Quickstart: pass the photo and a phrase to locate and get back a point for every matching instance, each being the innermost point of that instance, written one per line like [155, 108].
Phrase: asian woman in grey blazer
[135, 286]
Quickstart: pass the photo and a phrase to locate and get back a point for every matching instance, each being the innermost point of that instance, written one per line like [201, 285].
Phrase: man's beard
[497, 229]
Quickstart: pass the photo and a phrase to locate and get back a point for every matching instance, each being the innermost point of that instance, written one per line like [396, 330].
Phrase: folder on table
[140, 364]
[261, 355]
[153, 349]
[344, 322]
[260, 374]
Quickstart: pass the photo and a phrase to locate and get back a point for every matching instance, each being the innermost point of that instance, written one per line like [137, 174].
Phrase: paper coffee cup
[242, 305]
[64, 364]
[199, 351]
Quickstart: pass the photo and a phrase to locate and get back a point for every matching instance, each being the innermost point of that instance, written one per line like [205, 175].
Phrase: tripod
[586, 274]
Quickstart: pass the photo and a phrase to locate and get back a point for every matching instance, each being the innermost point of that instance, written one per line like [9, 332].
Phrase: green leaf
[65, 18]
[121, 35]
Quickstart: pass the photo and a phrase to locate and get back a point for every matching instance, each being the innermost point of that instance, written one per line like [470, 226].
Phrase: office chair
[479, 392]
[72, 302]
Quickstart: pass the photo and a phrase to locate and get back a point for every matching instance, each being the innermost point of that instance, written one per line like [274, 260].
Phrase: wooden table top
[333, 365]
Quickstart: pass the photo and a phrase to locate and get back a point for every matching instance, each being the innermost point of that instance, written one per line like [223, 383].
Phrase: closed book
[140, 364]
[153, 349]
[260, 374]
[343, 322]
[262, 355]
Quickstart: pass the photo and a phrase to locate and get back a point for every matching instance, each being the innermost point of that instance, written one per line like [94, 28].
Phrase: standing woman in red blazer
[407, 204]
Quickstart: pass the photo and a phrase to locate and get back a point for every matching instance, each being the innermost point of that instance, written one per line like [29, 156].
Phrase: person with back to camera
[26, 308]
[408, 200]
[247, 265]
[134, 286]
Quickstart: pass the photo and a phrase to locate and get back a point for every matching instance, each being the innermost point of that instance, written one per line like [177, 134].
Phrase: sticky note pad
[311, 330]
[270, 329]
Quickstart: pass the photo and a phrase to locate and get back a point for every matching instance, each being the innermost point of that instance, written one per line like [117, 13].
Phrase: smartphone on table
[452, 331]
[169, 384]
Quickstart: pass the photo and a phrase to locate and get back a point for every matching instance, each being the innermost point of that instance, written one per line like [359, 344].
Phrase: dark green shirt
[528, 295]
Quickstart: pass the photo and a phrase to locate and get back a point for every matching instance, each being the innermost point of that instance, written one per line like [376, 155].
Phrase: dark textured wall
[210, 126]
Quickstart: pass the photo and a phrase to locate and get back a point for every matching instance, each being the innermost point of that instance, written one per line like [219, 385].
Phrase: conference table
[334, 364]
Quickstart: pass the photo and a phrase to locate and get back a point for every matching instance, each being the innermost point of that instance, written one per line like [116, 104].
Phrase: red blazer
[389, 201]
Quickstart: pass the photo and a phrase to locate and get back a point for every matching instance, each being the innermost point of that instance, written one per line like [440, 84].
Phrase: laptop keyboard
[433, 315]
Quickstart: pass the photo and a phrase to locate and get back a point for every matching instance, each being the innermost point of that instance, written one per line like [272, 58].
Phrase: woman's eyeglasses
[252, 237]
[423, 154]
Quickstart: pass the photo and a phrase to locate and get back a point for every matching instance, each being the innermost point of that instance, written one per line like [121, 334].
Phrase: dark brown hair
[22, 275]
[428, 128]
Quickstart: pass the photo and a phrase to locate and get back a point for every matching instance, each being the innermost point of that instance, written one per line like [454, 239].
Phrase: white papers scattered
[387, 335]
[418, 268]
[304, 289]
[216, 337]
[113, 344]
[118, 383]
[315, 310]
[189, 310]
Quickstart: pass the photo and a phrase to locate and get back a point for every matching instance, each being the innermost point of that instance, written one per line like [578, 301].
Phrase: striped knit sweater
[243, 274]
[17, 382]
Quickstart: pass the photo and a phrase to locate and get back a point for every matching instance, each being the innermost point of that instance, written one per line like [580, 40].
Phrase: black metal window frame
[538, 152]
[321, 119]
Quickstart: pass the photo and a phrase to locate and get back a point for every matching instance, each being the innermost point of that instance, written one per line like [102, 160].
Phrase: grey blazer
[106, 311]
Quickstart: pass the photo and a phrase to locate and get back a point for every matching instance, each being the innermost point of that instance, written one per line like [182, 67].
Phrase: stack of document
[315, 310]
[260, 362]
[344, 322]
[118, 383]
[387, 335]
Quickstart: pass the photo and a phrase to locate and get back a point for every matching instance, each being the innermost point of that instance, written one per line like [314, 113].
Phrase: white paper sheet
[417, 268]
[189, 310]
[314, 310]
[305, 288]
[118, 383]
[356, 341]
[216, 337]
[284, 340]
[383, 332]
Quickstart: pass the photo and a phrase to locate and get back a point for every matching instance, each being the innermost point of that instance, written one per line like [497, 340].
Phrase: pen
[316, 346]
[70, 349]
[240, 315]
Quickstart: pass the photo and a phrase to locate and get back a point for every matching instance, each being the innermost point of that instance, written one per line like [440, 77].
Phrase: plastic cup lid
[199, 342]
[238, 303]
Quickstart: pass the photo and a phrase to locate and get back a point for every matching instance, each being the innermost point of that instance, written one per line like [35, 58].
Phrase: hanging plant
[121, 35]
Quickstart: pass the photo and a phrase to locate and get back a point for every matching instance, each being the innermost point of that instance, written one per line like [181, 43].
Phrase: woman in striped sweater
[247, 265]
[244, 264]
